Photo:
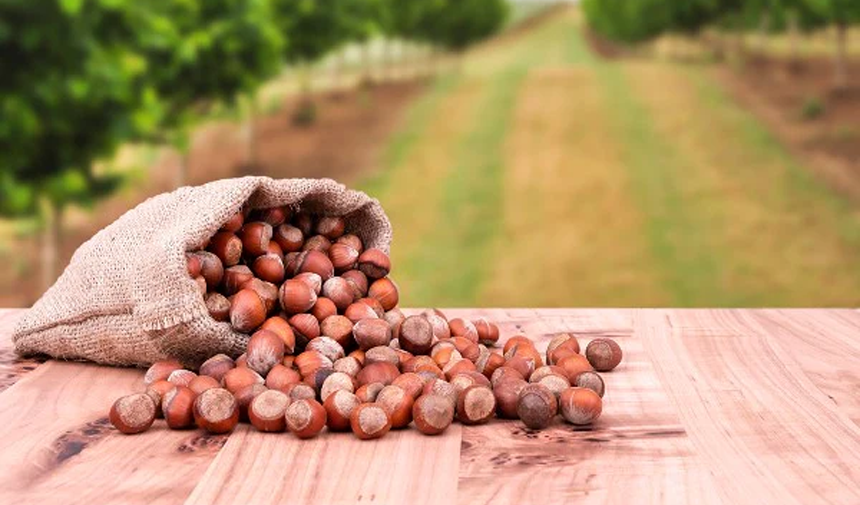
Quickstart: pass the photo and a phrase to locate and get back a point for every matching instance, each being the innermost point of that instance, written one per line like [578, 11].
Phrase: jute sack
[126, 297]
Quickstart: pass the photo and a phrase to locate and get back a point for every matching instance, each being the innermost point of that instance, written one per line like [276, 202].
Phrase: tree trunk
[841, 55]
[367, 70]
[51, 241]
[794, 39]
[337, 71]
[250, 136]
[763, 31]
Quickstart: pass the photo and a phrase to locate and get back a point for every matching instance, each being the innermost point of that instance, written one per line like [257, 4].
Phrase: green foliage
[812, 108]
[313, 27]
[454, 24]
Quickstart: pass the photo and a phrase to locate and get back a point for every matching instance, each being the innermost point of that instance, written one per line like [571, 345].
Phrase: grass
[539, 175]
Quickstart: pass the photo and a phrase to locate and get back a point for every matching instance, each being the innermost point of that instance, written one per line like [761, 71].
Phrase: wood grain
[12, 366]
[708, 406]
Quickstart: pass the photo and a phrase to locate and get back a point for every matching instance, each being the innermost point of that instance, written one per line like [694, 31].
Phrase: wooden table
[708, 406]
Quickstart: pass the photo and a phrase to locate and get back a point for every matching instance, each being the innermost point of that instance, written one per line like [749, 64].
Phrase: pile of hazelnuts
[328, 347]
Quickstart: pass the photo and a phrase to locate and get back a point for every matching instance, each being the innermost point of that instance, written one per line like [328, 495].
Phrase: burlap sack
[126, 297]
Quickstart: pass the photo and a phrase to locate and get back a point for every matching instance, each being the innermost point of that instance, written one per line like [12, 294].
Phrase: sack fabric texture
[126, 297]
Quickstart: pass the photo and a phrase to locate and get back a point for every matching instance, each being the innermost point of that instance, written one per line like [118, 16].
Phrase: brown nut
[181, 377]
[216, 410]
[279, 377]
[454, 368]
[218, 306]
[177, 406]
[331, 226]
[339, 291]
[358, 281]
[382, 354]
[296, 297]
[327, 346]
[381, 372]
[374, 263]
[343, 257]
[411, 383]
[267, 411]
[305, 328]
[305, 418]
[371, 333]
[265, 350]
[416, 335]
[580, 406]
[192, 264]
[244, 397]
[604, 354]
[488, 333]
[211, 268]
[339, 407]
[339, 328]
[132, 414]
[397, 404]
[385, 292]
[255, 238]
[537, 406]
[556, 383]
[351, 240]
[316, 262]
[442, 388]
[574, 365]
[323, 309]
[247, 311]
[543, 371]
[202, 383]
[507, 393]
[280, 327]
[336, 381]
[525, 366]
[227, 246]
[476, 405]
[440, 325]
[289, 238]
[517, 340]
[314, 281]
[348, 365]
[304, 222]
[239, 377]
[463, 328]
[566, 339]
[494, 361]
[505, 372]
[369, 421]
[235, 279]
[395, 318]
[274, 215]
[368, 392]
[267, 292]
[590, 380]
[467, 348]
[161, 370]
[234, 223]
[432, 414]
[156, 391]
[300, 391]
[358, 311]
[309, 362]
[317, 243]
[269, 267]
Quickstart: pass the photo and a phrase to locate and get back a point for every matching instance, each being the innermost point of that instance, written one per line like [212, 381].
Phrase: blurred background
[528, 153]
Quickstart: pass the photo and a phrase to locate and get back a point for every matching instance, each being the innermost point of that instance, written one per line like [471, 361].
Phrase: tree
[456, 24]
[842, 14]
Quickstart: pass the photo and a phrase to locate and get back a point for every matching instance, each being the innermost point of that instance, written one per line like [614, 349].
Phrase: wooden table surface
[708, 406]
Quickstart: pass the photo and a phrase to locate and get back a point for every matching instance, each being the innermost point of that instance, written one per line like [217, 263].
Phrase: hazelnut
[381, 372]
[242, 361]
[505, 372]
[267, 292]
[235, 278]
[316, 262]
[337, 381]
[327, 346]
[317, 243]
[156, 391]
[559, 339]
[543, 371]
[580, 406]
[432, 414]
[442, 388]
[537, 406]
[382, 354]
[297, 297]
[374, 263]
[338, 290]
[385, 292]
[161, 370]
[227, 246]
[289, 238]
[132, 414]
[305, 418]
[247, 311]
[395, 318]
[416, 335]
[517, 340]
[358, 354]
[358, 311]
[374, 304]
[368, 392]
[467, 348]
[331, 226]
[238, 378]
[265, 350]
[280, 327]
[274, 216]
[305, 328]
[456, 367]
[348, 365]
[181, 377]
[507, 393]
[310, 361]
[177, 406]
[604, 354]
[255, 238]
[369, 421]
[488, 333]
[428, 374]
[244, 397]
[351, 240]
[211, 268]
[555, 383]
[267, 411]
[371, 333]
[279, 377]
[339, 406]
[192, 264]
[574, 365]
[357, 281]
[202, 383]
[440, 325]
[444, 352]
[304, 222]
[274, 248]
[476, 405]
[528, 352]
[269, 267]
[561, 352]
[337, 327]
[463, 328]
[234, 223]
[413, 364]
[411, 383]
[343, 257]
[314, 281]
[216, 410]
[590, 380]
[525, 366]
[218, 306]
[300, 391]
[323, 309]
[461, 382]
[397, 404]
[494, 361]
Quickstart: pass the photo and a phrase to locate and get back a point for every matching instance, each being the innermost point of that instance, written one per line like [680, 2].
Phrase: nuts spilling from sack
[329, 347]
